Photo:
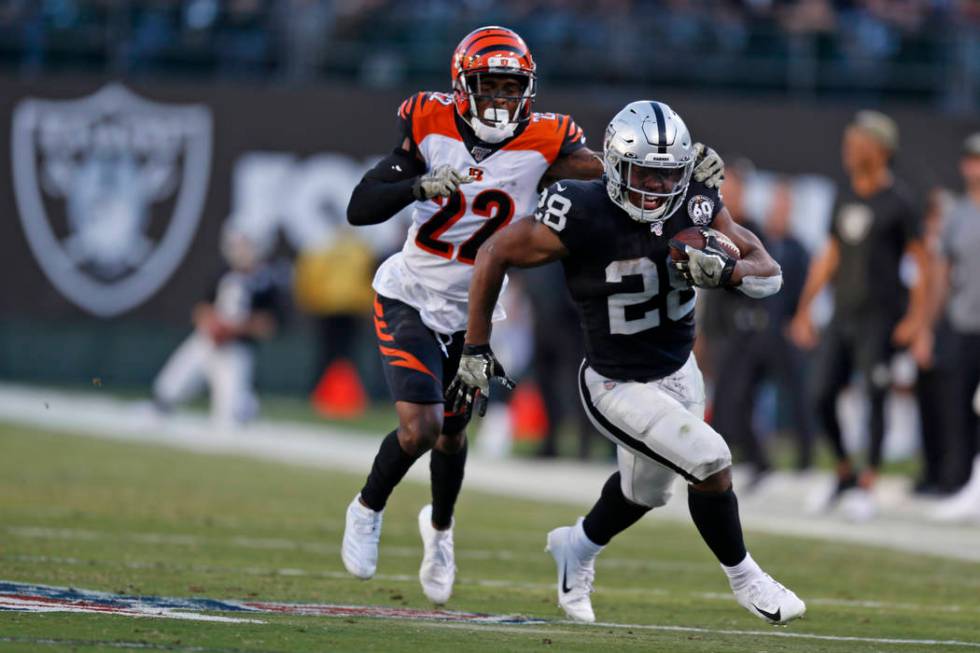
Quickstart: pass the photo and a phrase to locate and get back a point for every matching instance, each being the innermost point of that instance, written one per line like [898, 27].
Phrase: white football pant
[226, 369]
[659, 428]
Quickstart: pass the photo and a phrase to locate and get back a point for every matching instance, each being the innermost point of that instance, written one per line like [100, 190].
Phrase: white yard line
[464, 580]
[39, 598]
[279, 544]
[775, 508]
[538, 629]
[569, 628]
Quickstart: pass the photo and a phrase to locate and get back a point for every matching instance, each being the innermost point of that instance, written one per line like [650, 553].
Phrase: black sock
[612, 514]
[716, 516]
[390, 466]
[446, 471]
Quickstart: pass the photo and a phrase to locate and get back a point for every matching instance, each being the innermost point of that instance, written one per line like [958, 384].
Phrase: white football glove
[703, 268]
[709, 169]
[477, 367]
[710, 267]
[442, 181]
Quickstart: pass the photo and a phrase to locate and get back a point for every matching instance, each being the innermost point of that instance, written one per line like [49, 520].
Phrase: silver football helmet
[648, 158]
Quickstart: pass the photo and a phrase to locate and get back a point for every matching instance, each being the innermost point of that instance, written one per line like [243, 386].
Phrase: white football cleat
[575, 576]
[770, 601]
[965, 504]
[858, 505]
[438, 570]
[361, 534]
[962, 506]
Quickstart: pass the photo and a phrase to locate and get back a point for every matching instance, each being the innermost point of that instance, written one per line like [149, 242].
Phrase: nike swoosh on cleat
[565, 589]
[775, 616]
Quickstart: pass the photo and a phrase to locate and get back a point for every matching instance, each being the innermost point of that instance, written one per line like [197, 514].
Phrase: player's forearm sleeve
[759, 287]
[385, 189]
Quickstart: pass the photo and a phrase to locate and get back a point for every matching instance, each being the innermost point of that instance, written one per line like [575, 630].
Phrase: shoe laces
[442, 548]
[441, 555]
[366, 521]
[766, 587]
[585, 577]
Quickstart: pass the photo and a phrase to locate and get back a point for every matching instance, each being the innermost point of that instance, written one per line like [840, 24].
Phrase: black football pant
[558, 352]
[850, 344]
[746, 361]
[933, 394]
[964, 379]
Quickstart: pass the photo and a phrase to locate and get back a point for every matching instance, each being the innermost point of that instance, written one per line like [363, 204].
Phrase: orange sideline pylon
[527, 413]
[340, 393]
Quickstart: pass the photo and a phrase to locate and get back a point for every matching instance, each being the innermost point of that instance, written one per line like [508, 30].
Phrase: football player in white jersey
[471, 161]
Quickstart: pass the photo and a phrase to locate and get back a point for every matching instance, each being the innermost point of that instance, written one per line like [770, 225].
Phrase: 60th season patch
[700, 209]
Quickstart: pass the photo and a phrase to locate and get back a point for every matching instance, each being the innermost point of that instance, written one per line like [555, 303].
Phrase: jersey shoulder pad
[551, 134]
[701, 204]
[426, 113]
[566, 207]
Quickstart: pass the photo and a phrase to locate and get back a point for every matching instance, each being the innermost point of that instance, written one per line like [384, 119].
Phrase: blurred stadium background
[293, 100]
[263, 115]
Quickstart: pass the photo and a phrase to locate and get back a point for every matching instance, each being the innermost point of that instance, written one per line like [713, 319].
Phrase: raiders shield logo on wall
[110, 190]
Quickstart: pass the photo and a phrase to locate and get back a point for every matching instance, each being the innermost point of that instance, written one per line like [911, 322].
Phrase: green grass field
[146, 520]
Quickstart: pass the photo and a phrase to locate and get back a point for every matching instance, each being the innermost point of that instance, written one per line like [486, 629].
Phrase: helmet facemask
[650, 191]
[497, 123]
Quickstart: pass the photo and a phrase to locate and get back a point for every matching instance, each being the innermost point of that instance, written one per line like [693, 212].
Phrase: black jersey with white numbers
[636, 311]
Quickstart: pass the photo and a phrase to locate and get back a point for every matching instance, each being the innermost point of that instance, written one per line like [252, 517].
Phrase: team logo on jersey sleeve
[700, 209]
[110, 190]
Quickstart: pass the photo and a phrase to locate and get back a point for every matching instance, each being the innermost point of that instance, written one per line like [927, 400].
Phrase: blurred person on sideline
[244, 307]
[558, 349]
[794, 259]
[957, 294]
[715, 327]
[941, 472]
[332, 283]
[758, 348]
[875, 223]
[469, 162]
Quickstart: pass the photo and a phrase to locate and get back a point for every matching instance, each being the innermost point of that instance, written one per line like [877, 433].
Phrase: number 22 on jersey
[494, 205]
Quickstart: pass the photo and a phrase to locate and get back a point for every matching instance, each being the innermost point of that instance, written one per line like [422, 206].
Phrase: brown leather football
[695, 237]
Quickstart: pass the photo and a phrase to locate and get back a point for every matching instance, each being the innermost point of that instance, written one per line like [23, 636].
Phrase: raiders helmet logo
[700, 209]
[110, 189]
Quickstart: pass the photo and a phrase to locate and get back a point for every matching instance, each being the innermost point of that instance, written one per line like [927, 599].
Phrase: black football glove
[477, 368]
[709, 267]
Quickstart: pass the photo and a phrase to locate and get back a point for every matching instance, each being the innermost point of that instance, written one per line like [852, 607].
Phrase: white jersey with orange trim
[432, 272]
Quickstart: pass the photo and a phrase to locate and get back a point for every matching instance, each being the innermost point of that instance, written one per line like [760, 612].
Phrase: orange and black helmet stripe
[492, 40]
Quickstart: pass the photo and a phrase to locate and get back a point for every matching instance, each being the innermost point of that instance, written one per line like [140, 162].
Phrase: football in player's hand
[697, 238]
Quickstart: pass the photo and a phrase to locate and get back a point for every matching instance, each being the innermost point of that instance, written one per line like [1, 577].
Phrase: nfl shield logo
[110, 190]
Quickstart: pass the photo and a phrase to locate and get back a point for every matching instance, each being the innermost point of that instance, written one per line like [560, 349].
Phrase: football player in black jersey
[639, 382]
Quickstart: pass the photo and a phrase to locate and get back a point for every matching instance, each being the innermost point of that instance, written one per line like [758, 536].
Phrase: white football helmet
[648, 156]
